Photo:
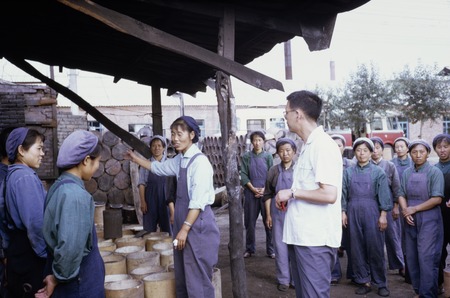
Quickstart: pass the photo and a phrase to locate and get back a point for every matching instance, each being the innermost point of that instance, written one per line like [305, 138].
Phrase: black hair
[363, 142]
[158, 139]
[439, 139]
[3, 137]
[308, 102]
[30, 139]
[258, 134]
[97, 150]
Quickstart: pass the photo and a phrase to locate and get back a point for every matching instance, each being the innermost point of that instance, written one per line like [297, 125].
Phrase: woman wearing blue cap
[24, 201]
[196, 235]
[402, 161]
[153, 191]
[393, 233]
[421, 193]
[441, 144]
[280, 177]
[74, 265]
[365, 203]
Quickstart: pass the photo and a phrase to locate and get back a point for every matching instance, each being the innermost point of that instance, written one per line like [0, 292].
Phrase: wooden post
[227, 116]
[157, 111]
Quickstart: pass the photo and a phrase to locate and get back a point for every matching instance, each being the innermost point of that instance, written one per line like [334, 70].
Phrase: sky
[390, 34]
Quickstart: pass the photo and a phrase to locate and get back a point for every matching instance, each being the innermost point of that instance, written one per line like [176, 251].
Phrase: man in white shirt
[312, 227]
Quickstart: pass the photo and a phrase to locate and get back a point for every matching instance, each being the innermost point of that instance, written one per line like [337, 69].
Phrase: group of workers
[398, 206]
[313, 203]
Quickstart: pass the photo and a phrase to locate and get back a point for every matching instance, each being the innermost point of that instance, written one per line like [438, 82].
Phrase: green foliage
[424, 95]
[363, 95]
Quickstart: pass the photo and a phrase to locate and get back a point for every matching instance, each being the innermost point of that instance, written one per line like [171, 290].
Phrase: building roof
[89, 35]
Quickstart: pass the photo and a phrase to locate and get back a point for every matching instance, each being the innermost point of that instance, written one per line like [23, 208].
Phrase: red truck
[382, 127]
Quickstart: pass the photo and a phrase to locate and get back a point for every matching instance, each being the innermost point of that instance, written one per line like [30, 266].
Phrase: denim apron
[280, 248]
[366, 239]
[194, 264]
[155, 196]
[253, 206]
[423, 240]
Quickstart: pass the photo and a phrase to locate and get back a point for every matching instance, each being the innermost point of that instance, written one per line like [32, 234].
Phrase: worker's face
[291, 116]
[401, 149]
[181, 139]
[258, 143]
[286, 153]
[340, 145]
[443, 151]
[157, 148]
[90, 167]
[419, 155]
[363, 154]
[33, 156]
[377, 151]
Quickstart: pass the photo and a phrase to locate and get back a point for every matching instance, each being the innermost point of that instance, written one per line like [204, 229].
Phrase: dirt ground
[261, 281]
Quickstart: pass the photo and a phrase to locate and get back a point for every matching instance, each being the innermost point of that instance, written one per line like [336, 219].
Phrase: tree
[422, 93]
[363, 95]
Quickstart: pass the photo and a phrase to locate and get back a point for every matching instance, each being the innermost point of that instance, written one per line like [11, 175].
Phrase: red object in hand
[283, 206]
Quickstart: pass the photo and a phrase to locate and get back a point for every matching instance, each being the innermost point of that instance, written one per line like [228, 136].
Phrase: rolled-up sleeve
[383, 191]
[345, 190]
[200, 183]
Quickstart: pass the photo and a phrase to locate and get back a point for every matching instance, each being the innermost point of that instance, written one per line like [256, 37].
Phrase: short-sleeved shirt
[379, 183]
[308, 224]
[272, 179]
[199, 176]
[435, 184]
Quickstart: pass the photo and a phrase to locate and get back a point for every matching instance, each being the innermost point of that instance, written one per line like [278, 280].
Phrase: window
[446, 124]
[402, 123]
[201, 125]
[95, 126]
[277, 123]
[255, 124]
[377, 124]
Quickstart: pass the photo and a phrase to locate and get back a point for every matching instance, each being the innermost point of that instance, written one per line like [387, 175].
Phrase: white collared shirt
[308, 224]
[199, 176]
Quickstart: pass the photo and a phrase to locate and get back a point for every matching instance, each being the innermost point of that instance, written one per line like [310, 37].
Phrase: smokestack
[332, 70]
[74, 87]
[287, 60]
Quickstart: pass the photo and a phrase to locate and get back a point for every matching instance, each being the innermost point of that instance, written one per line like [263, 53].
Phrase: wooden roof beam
[158, 38]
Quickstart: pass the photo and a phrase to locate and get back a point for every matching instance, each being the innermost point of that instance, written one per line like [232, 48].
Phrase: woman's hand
[269, 221]
[50, 283]
[395, 212]
[344, 219]
[144, 207]
[409, 211]
[181, 237]
[382, 221]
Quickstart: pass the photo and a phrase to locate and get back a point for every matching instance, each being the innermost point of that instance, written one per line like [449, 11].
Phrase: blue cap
[338, 137]
[193, 125]
[75, 148]
[283, 141]
[15, 139]
[406, 140]
[377, 140]
[360, 141]
[419, 142]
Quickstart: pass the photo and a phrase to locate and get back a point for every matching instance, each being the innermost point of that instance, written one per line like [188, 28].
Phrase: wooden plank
[161, 39]
[128, 138]
[242, 15]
